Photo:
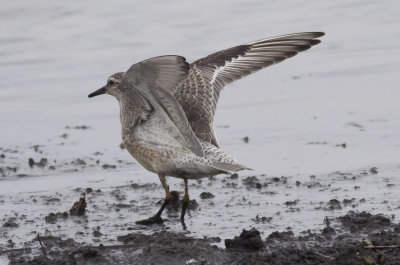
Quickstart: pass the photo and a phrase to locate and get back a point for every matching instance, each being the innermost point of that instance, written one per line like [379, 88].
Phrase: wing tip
[315, 42]
[313, 34]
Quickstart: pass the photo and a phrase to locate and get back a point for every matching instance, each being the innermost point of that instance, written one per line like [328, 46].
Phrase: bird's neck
[129, 115]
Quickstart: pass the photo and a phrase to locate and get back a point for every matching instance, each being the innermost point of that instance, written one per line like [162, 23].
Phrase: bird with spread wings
[168, 107]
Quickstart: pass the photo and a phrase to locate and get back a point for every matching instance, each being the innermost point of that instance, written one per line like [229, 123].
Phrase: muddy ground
[359, 238]
[83, 211]
[93, 225]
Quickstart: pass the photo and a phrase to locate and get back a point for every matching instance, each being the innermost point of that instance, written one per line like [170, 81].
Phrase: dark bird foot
[183, 225]
[185, 205]
[156, 219]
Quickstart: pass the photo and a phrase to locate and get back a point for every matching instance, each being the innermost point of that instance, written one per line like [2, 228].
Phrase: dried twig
[41, 245]
[327, 221]
[369, 245]
[390, 246]
[323, 256]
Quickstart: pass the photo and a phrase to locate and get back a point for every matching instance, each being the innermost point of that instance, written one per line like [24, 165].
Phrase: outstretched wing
[198, 93]
[153, 80]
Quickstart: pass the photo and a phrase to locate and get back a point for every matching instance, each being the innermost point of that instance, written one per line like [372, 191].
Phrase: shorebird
[167, 108]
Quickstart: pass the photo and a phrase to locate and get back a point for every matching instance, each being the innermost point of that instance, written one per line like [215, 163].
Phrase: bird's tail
[228, 167]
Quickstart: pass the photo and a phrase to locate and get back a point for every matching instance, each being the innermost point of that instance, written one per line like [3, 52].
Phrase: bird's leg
[157, 217]
[185, 201]
[167, 194]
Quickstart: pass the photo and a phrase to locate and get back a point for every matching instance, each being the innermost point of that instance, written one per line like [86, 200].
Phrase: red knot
[167, 108]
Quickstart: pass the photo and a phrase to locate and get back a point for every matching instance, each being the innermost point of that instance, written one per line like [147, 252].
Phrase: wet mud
[358, 238]
[82, 210]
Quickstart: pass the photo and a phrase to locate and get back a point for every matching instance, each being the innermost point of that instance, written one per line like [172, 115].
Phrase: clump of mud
[79, 207]
[206, 195]
[356, 222]
[52, 218]
[252, 182]
[42, 163]
[248, 239]
[11, 223]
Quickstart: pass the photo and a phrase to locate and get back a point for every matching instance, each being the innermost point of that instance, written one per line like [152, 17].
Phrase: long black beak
[98, 92]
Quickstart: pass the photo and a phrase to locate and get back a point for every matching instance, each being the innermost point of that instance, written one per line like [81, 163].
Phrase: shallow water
[345, 90]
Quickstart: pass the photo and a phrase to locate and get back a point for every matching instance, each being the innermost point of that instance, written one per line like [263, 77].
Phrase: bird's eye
[110, 82]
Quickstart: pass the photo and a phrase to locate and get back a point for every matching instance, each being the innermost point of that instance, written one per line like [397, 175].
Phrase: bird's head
[112, 87]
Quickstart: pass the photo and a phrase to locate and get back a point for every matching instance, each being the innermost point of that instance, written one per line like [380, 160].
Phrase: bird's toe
[156, 219]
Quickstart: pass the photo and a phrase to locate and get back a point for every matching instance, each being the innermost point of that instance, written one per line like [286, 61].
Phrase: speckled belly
[171, 161]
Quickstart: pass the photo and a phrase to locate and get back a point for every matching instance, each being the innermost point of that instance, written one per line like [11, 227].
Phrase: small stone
[31, 162]
[215, 239]
[107, 166]
[262, 219]
[79, 161]
[291, 203]
[81, 127]
[343, 145]
[42, 163]
[347, 201]
[373, 170]
[53, 217]
[234, 176]
[10, 243]
[252, 182]
[334, 205]
[206, 195]
[97, 233]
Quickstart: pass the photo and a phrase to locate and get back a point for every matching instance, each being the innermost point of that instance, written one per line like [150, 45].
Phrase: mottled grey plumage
[167, 106]
[198, 93]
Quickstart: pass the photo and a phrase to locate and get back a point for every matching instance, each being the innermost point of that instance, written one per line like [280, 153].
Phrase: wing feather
[154, 79]
[199, 92]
